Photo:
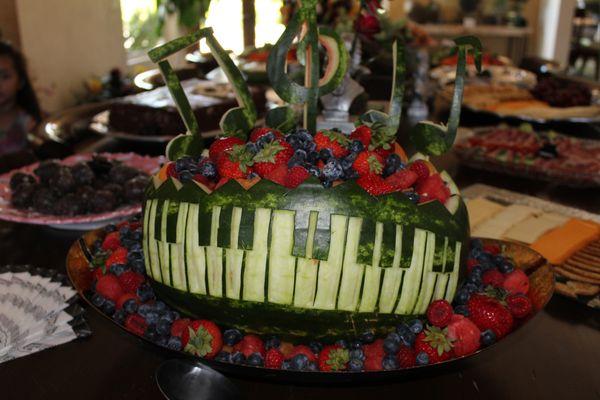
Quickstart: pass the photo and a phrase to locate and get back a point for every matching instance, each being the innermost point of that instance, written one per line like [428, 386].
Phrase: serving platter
[535, 266]
[149, 165]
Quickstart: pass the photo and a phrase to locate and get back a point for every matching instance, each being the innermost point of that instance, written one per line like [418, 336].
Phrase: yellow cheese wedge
[560, 243]
[501, 222]
[532, 227]
[481, 209]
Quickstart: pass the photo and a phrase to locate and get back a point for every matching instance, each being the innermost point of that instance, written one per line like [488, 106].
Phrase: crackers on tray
[579, 275]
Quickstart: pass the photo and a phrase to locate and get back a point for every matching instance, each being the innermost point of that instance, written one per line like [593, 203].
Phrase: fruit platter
[80, 192]
[521, 151]
[506, 285]
[290, 252]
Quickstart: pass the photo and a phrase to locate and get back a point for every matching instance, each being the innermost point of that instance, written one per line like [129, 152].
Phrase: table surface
[556, 356]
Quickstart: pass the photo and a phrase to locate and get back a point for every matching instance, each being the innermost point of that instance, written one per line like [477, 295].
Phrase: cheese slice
[560, 243]
[532, 227]
[501, 222]
[481, 209]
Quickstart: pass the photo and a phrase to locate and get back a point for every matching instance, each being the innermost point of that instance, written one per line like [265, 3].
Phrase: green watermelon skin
[313, 305]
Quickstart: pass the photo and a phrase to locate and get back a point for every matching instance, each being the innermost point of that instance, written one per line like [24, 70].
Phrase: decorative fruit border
[150, 165]
[80, 258]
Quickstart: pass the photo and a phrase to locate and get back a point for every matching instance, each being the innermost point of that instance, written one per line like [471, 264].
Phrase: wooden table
[556, 356]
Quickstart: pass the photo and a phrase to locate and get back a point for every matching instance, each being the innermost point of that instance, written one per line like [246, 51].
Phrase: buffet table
[555, 357]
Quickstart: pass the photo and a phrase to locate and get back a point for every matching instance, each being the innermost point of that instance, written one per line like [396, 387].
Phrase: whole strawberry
[220, 146]
[439, 313]
[488, 313]
[203, 338]
[335, 141]
[271, 156]
[435, 343]
[375, 185]
[234, 163]
[406, 357]
[516, 282]
[492, 277]
[273, 359]
[363, 134]
[368, 162]
[333, 358]
[464, 335]
[250, 344]
[295, 176]
[257, 133]
[519, 305]
[108, 286]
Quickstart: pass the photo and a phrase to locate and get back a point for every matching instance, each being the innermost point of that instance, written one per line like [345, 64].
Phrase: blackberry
[82, 174]
[22, 196]
[325, 154]
[116, 189]
[19, 178]
[332, 170]
[62, 180]
[133, 190]
[208, 169]
[103, 201]
[122, 173]
[70, 205]
[46, 169]
[43, 200]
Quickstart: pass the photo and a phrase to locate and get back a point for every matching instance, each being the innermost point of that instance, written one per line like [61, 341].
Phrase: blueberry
[304, 135]
[286, 365]
[108, 307]
[299, 362]
[119, 316]
[160, 306]
[300, 154]
[151, 333]
[413, 196]
[232, 336]
[137, 236]
[356, 146]
[392, 164]
[144, 309]
[208, 169]
[163, 327]
[485, 259]
[347, 162]
[475, 252]
[310, 146]
[367, 337]
[476, 244]
[415, 326]
[272, 343]
[506, 267]
[251, 148]
[462, 296]
[223, 356]
[342, 343]
[255, 360]
[462, 310]
[152, 317]
[145, 292]
[124, 232]
[185, 164]
[134, 255]
[98, 300]
[312, 367]
[488, 337]
[407, 338]
[355, 365]
[110, 228]
[138, 266]
[477, 271]
[118, 269]
[162, 341]
[268, 137]
[422, 358]
[237, 357]
[389, 363]
[312, 157]
[325, 154]
[498, 259]
[332, 170]
[186, 176]
[315, 346]
[130, 306]
[474, 280]
[356, 344]
[313, 170]
[391, 346]
[357, 354]
[350, 174]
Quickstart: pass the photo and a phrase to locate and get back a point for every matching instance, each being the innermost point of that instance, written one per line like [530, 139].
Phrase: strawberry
[98, 273]
[295, 176]
[402, 179]
[420, 168]
[435, 343]
[383, 153]
[179, 327]
[433, 188]
[130, 281]
[271, 156]
[172, 170]
[337, 142]
[375, 185]
[493, 277]
[488, 313]
[111, 241]
[368, 162]
[257, 133]
[250, 344]
[234, 163]
[222, 145]
[118, 256]
[278, 175]
[406, 357]
[374, 354]
[363, 134]
[516, 282]
[439, 313]
[124, 298]
[493, 249]
[136, 324]
[464, 335]
[203, 338]
[302, 349]
[471, 263]
[519, 305]
[109, 287]
[273, 359]
[333, 358]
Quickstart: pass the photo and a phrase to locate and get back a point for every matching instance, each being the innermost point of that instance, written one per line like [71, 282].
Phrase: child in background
[19, 108]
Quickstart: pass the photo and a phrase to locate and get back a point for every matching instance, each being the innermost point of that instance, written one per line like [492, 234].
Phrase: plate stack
[37, 311]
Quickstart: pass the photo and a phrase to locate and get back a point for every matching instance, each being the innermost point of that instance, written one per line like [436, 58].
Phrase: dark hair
[26, 98]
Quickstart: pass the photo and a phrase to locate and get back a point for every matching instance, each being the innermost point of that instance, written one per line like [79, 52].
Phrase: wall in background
[8, 21]
[66, 42]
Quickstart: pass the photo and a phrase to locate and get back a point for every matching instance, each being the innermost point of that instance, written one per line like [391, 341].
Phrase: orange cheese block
[559, 244]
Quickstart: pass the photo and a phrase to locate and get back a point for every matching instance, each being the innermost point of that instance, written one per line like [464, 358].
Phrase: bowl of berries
[506, 285]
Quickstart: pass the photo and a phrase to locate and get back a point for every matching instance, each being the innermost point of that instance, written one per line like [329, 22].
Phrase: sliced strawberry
[433, 188]
[111, 241]
[250, 344]
[118, 256]
[402, 179]
[221, 145]
[136, 324]
[109, 287]
[295, 176]
[130, 281]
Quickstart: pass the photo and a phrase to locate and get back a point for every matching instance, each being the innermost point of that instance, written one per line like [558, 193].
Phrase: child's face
[9, 81]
